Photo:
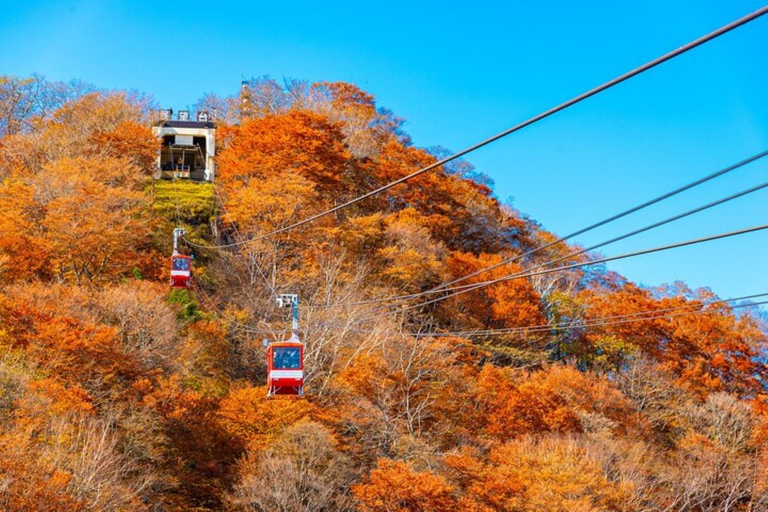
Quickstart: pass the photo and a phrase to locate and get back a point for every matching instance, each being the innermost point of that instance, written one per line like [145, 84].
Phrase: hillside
[569, 390]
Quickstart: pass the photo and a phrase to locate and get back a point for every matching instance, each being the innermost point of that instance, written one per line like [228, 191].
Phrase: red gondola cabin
[181, 271]
[285, 367]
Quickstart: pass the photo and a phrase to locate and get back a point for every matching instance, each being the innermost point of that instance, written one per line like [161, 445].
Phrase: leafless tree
[301, 472]
[25, 102]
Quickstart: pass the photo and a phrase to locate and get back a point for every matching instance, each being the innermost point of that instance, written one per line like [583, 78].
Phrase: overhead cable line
[200, 291]
[596, 322]
[176, 198]
[252, 258]
[445, 287]
[492, 332]
[627, 235]
[624, 214]
[607, 85]
[220, 314]
[574, 266]
[606, 320]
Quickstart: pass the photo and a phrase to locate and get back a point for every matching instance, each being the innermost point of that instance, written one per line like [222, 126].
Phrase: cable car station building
[188, 147]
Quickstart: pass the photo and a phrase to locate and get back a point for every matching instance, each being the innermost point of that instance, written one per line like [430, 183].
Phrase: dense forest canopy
[117, 393]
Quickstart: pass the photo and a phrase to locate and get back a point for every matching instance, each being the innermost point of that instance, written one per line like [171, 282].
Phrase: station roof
[187, 124]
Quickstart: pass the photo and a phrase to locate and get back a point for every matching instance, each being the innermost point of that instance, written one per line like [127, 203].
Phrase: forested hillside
[571, 391]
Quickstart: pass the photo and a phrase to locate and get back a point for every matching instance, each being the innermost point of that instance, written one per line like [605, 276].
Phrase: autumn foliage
[119, 394]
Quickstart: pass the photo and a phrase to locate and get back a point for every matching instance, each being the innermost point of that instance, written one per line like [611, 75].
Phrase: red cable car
[181, 271]
[285, 367]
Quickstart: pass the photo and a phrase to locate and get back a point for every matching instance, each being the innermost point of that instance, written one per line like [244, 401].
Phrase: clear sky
[461, 71]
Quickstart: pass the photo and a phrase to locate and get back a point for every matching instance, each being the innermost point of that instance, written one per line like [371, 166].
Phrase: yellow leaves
[362, 235]
[559, 475]
[413, 258]
[611, 352]
[399, 246]
[262, 205]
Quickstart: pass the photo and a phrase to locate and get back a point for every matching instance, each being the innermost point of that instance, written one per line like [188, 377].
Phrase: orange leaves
[67, 220]
[94, 338]
[346, 96]
[296, 142]
[529, 407]
[278, 170]
[107, 373]
[397, 161]
[64, 400]
[170, 398]
[716, 351]
[75, 196]
[486, 487]
[365, 376]
[512, 303]
[254, 420]
[130, 141]
[556, 399]
[76, 122]
[461, 214]
[535, 408]
[364, 127]
[203, 355]
[74, 350]
[55, 451]
[549, 475]
[94, 227]
[396, 487]
[30, 487]
[24, 248]
[402, 397]
[709, 351]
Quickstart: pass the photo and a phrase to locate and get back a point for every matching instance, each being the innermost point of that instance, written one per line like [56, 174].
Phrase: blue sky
[461, 71]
